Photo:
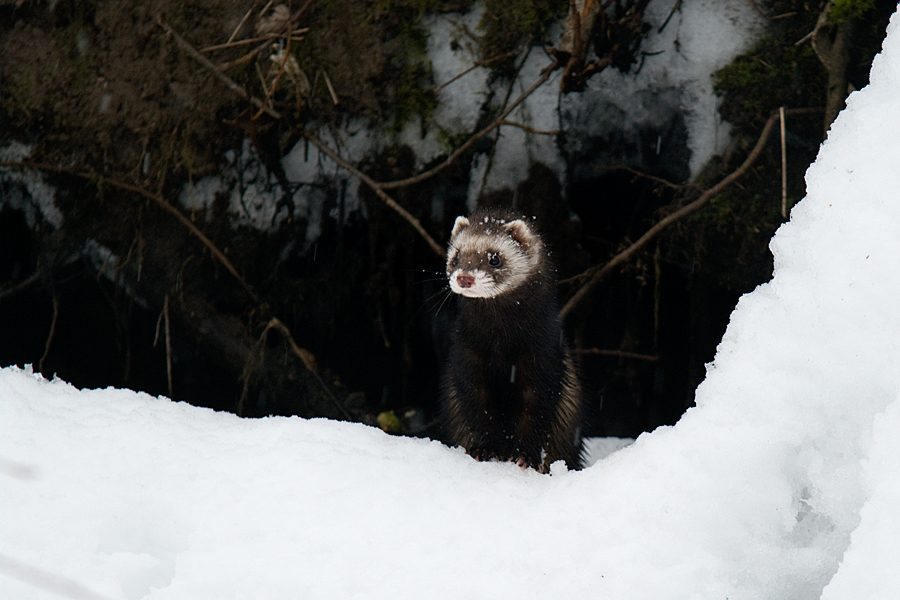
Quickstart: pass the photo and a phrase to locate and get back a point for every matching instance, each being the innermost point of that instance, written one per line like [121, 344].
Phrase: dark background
[367, 301]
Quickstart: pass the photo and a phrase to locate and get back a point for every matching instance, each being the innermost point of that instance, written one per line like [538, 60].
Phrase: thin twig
[245, 58]
[263, 10]
[597, 273]
[241, 24]
[659, 180]
[376, 187]
[165, 313]
[479, 63]
[266, 37]
[334, 97]
[545, 75]
[675, 7]
[489, 163]
[100, 180]
[783, 165]
[50, 335]
[287, 56]
[262, 79]
[530, 129]
[20, 287]
[300, 12]
[228, 81]
[57, 585]
[158, 327]
[252, 54]
[805, 37]
[618, 353]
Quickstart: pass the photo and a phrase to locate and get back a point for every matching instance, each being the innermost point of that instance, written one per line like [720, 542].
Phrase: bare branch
[495, 135]
[530, 129]
[228, 81]
[20, 287]
[597, 273]
[545, 75]
[659, 180]
[284, 61]
[334, 97]
[245, 58]
[618, 354]
[238, 28]
[376, 187]
[165, 312]
[159, 200]
[268, 36]
[783, 165]
[675, 7]
[806, 37]
[479, 63]
[50, 335]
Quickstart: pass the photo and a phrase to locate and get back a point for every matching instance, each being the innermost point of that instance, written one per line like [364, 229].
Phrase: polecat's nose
[465, 281]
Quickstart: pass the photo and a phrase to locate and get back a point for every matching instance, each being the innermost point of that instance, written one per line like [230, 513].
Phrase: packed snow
[782, 483]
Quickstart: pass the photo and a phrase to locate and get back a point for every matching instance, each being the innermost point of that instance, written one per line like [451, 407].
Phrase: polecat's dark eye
[454, 261]
[494, 260]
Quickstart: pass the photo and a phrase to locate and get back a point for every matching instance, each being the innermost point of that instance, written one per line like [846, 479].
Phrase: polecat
[511, 391]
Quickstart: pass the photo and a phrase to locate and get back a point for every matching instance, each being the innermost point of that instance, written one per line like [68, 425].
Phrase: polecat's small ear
[460, 224]
[519, 231]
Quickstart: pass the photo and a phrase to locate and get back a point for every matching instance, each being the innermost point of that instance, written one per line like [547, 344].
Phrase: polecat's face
[490, 256]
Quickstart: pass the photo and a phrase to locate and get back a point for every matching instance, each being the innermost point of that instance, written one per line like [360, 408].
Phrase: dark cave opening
[649, 329]
[369, 306]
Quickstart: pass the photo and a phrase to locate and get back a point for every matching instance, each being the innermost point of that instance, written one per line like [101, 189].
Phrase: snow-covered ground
[783, 482]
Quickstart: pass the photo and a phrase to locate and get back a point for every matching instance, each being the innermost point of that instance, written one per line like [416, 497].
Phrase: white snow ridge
[783, 482]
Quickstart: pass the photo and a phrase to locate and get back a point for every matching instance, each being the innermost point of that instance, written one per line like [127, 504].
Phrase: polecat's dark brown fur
[511, 391]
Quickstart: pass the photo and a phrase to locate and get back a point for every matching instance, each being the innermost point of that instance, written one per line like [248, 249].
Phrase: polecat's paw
[481, 455]
[525, 462]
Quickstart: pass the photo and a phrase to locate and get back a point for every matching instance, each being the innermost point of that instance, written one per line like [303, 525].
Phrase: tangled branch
[595, 274]
[378, 187]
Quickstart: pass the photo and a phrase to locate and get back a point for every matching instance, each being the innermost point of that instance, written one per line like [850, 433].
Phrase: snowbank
[782, 483]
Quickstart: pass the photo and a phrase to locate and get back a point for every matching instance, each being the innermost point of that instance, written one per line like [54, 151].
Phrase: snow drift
[783, 482]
